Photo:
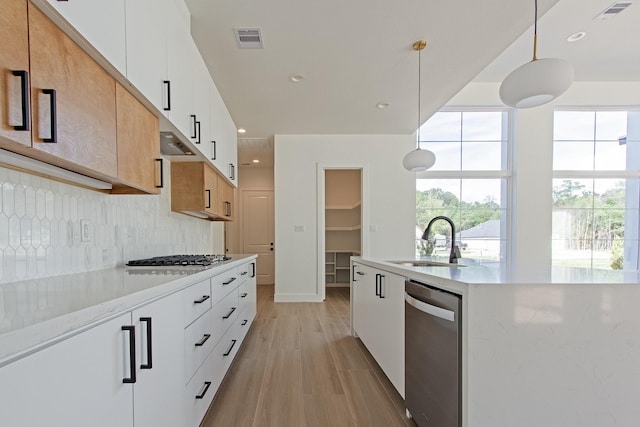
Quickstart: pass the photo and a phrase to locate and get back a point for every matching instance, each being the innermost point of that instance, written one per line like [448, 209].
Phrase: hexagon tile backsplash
[40, 228]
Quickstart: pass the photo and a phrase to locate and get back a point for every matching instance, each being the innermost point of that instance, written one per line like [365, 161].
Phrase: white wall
[533, 152]
[40, 227]
[391, 202]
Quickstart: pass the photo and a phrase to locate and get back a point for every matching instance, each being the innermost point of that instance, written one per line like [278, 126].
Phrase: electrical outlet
[86, 230]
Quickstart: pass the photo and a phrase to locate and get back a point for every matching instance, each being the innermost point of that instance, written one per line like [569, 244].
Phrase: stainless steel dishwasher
[433, 358]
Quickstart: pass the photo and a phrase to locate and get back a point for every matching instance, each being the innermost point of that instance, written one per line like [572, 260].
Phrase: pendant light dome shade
[536, 83]
[418, 160]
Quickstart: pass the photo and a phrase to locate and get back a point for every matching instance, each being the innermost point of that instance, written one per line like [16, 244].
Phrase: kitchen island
[541, 346]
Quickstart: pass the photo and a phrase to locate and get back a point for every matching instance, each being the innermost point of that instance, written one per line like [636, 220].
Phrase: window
[596, 162]
[468, 183]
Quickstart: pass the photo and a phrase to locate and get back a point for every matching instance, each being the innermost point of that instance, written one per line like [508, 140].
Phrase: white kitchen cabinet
[75, 383]
[202, 82]
[378, 318]
[180, 63]
[219, 144]
[101, 23]
[147, 62]
[159, 364]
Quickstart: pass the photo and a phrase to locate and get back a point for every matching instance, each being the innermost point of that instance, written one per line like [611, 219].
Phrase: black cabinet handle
[381, 294]
[253, 269]
[227, 208]
[228, 352]
[230, 280]
[193, 117]
[161, 173]
[377, 284]
[198, 132]
[208, 199]
[353, 273]
[24, 93]
[359, 273]
[229, 313]
[132, 354]
[232, 171]
[244, 322]
[244, 295]
[215, 151]
[204, 339]
[201, 300]
[149, 363]
[167, 83]
[207, 384]
[244, 273]
[52, 112]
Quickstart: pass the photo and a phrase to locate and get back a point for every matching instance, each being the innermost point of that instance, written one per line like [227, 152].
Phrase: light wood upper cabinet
[138, 146]
[197, 190]
[84, 121]
[100, 22]
[14, 57]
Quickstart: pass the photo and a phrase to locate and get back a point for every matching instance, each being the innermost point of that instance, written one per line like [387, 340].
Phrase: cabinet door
[390, 328]
[101, 23]
[138, 147]
[14, 57]
[201, 87]
[85, 114]
[231, 141]
[160, 367]
[147, 27]
[363, 300]
[179, 64]
[226, 202]
[217, 131]
[75, 383]
[211, 185]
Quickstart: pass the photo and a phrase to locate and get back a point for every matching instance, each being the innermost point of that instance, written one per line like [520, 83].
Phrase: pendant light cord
[535, 31]
[419, 92]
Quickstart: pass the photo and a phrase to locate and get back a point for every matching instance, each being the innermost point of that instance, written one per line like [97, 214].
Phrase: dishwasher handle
[430, 309]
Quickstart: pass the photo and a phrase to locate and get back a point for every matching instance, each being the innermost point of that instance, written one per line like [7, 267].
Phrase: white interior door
[258, 233]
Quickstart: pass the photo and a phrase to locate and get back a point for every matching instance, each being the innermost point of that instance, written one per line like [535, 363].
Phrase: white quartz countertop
[43, 311]
[470, 272]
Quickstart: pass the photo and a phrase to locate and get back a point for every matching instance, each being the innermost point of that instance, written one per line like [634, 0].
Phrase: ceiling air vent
[613, 10]
[249, 38]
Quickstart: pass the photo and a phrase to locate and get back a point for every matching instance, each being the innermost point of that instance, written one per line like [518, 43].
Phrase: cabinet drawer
[244, 323]
[199, 340]
[223, 283]
[199, 393]
[243, 272]
[197, 300]
[225, 313]
[243, 296]
[224, 352]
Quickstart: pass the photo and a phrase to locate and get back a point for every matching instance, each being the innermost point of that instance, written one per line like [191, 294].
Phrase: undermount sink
[426, 264]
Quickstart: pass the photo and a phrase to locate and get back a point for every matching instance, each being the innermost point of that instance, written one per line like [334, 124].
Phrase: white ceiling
[355, 54]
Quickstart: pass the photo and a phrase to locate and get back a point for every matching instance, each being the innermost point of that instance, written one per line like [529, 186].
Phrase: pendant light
[419, 160]
[536, 82]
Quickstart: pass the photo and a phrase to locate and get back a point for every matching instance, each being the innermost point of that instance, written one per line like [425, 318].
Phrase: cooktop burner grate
[179, 260]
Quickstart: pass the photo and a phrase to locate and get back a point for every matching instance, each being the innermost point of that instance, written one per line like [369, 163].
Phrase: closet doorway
[340, 231]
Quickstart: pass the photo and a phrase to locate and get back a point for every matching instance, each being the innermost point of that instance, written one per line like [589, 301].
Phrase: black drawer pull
[201, 300]
[168, 84]
[244, 273]
[381, 295]
[244, 295]
[132, 354]
[233, 342]
[149, 363]
[359, 273]
[244, 322]
[207, 384]
[229, 313]
[53, 114]
[230, 280]
[204, 339]
[377, 285]
[198, 131]
[208, 199]
[253, 269]
[24, 93]
[215, 152]
[161, 173]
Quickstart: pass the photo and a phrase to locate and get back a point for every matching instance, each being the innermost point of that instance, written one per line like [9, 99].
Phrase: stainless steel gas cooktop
[179, 260]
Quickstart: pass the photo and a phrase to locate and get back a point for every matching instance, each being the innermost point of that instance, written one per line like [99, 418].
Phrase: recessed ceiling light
[382, 105]
[296, 78]
[256, 161]
[576, 36]
[242, 130]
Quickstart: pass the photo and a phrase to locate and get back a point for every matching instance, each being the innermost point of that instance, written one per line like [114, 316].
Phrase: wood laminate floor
[299, 367]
